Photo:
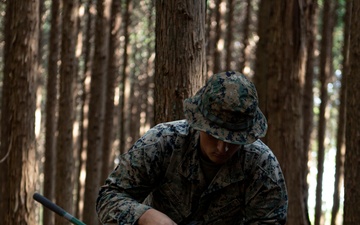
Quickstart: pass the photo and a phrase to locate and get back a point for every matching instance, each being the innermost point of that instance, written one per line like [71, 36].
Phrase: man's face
[215, 150]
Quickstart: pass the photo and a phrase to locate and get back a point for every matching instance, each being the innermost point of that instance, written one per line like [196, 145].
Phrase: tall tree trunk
[245, 39]
[352, 165]
[17, 152]
[134, 111]
[64, 155]
[51, 108]
[124, 84]
[229, 34]
[308, 99]
[210, 35]
[281, 63]
[149, 107]
[180, 55]
[262, 52]
[216, 54]
[113, 77]
[88, 52]
[326, 70]
[96, 111]
[340, 137]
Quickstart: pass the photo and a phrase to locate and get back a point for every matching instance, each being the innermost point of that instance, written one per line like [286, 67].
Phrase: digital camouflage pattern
[162, 171]
[227, 108]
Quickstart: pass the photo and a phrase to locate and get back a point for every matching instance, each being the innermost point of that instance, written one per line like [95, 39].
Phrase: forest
[82, 80]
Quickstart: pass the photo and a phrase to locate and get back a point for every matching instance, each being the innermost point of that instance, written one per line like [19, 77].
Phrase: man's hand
[155, 217]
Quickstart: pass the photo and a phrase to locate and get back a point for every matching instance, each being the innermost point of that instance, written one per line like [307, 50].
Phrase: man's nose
[222, 146]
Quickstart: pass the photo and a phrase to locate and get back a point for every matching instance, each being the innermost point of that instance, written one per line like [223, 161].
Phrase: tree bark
[281, 63]
[352, 165]
[308, 96]
[96, 111]
[88, 52]
[64, 155]
[17, 153]
[124, 84]
[51, 109]
[180, 55]
[113, 77]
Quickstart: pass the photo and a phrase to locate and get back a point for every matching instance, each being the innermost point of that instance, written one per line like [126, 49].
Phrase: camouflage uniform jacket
[162, 171]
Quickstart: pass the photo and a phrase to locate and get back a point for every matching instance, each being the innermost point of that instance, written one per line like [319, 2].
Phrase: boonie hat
[227, 108]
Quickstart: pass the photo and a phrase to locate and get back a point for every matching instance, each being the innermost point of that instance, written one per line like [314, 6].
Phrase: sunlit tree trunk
[96, 111]
[51, 108]
[352, 165]
[281, 63]
[180, 55]
[17, 153]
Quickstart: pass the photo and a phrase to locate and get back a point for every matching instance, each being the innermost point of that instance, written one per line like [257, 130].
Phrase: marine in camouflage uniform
[165, 169]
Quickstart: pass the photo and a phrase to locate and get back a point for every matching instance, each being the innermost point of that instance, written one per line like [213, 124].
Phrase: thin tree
[246, 35]
[180, 55]
[148, 106]
[280, 67]
[326, 70]
[17, 153]
[113, 77]
[125, 76]
[64, 150]
[229, 34]
[210, 35]
[96, 111]
[51, 108]
[340, 137]
[87, 54]
[217, 54]
[352, 165]
[308, 96]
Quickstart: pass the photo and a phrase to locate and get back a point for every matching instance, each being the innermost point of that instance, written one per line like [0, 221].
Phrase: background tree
[85, 79]
[180, 55]
[97, 110]
[245, 39]
[18, 148]
[352, 166]
[217, 67]
[64, 152]
[51, 109]
[340, 136]
[326, 71]
[124, 84]
[281, 67]
[113, 76]
[308, 94]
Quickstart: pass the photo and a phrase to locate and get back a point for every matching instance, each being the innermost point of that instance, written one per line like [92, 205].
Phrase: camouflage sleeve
[266, 197]
[137, 174]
